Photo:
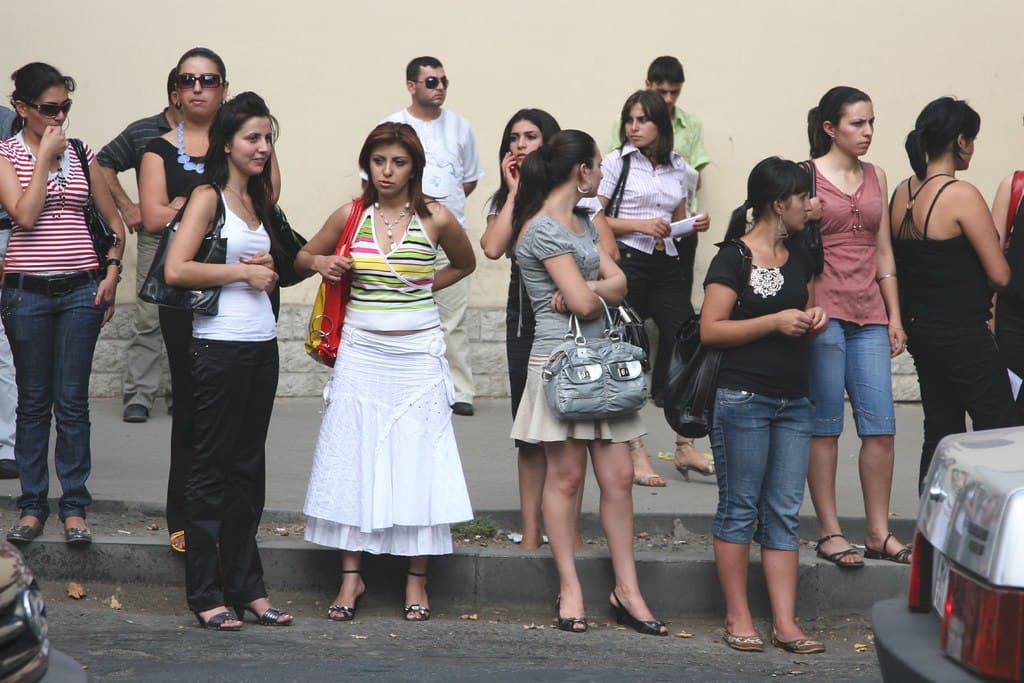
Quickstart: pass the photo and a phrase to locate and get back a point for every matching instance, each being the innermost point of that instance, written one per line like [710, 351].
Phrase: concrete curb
[676, 583]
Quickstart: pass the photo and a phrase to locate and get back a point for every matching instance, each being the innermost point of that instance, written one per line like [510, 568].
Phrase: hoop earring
[780, 229]
[583, 190]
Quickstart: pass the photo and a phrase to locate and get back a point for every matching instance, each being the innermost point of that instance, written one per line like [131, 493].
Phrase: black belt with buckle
[51, 285]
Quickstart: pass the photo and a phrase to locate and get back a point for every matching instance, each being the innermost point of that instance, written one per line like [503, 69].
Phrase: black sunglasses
[432, 82]
[51, 110]
[188, 81]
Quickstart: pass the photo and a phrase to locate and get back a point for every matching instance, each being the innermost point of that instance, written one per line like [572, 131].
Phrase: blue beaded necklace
[184, 159]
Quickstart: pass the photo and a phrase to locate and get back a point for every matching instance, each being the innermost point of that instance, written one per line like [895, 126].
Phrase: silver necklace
[389, 225]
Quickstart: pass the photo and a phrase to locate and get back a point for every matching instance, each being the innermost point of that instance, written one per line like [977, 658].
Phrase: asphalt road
[152, 638]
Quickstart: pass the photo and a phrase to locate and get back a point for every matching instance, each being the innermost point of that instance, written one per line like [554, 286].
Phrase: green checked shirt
[688, 139]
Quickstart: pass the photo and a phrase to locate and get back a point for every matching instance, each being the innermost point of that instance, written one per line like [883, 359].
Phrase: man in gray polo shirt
[142, 367]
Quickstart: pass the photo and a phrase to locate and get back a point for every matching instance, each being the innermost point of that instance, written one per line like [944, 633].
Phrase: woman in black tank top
[949, 263]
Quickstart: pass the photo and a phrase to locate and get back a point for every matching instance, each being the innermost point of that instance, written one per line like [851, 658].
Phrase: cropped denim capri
[855, 358]
[761, 446]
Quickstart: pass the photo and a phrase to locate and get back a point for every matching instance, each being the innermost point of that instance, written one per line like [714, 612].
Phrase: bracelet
[882, 277]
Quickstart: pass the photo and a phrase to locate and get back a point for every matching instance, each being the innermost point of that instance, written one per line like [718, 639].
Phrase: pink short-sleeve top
[846, 288]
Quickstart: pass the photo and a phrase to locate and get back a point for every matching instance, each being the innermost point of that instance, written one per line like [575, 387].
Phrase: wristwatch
[116, 262]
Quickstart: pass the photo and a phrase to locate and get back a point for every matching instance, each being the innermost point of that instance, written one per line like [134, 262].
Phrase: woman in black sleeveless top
[172, 167]
[949, 263]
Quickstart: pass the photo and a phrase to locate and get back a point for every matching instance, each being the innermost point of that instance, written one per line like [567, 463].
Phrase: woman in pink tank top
[857, 288]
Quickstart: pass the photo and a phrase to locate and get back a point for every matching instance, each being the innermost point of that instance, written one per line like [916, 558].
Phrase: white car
[964, 616]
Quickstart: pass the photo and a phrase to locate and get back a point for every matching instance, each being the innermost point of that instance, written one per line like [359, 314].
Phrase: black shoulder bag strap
[615, 201]
[79, 148]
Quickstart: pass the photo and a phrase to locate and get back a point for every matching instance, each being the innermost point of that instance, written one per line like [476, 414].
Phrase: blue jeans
[761, 446]
[52, 340]
[855, 357]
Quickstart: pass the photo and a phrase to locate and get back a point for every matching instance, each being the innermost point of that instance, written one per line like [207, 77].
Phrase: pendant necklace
[184, 159]
[388, 225]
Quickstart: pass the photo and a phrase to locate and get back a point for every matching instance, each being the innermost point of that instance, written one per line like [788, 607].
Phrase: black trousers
[960, 373]
[176, 327]
[659, 287]
[1010, 339]
[234, 384]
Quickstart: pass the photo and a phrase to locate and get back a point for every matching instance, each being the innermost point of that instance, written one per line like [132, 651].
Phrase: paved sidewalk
[129, 462]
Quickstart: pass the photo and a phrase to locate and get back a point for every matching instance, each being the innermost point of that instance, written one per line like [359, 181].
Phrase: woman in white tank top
[234, 369]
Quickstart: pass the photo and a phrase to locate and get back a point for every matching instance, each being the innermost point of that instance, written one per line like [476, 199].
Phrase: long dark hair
[937, 128]
[402, 134]
[31, 81]
[772, 179]
[548, 127]
[230, 118]
[657, 111]
[548, 167]
[831, 108]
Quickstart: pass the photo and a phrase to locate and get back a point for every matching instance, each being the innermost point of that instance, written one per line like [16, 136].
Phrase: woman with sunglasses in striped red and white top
[58, 292]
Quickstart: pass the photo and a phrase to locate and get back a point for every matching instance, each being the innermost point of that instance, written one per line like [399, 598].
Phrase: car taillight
[921, 572]
[983, 627]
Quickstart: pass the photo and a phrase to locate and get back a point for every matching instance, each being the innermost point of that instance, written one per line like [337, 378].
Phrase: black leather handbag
[631, 329]
[286, 246]
[692, 377]
[103, 236]
[213, 249]
[810, 237]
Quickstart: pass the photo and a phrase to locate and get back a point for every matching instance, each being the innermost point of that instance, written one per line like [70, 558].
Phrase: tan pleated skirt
[535, 423]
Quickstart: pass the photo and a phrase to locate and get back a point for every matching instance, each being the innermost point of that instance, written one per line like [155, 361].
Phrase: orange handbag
[328, 316]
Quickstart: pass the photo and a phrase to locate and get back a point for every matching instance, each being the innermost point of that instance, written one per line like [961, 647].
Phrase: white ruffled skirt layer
[386, 474]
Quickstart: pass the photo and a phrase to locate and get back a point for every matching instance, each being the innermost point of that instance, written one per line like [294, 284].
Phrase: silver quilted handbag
[594, 379]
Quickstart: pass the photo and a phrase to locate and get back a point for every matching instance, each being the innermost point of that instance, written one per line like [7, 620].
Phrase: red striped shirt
[60, 239]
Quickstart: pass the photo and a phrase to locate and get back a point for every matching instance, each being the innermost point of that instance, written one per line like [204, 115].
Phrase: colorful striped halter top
[392, 291]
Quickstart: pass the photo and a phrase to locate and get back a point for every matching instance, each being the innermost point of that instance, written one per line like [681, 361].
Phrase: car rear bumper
[908, 646]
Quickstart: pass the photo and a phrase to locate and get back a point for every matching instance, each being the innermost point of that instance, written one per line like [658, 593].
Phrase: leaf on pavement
[469, 617]
[152, 527]
[114, 602]
[684, 634]
[532, 627]
[76, 591]
[860, 647]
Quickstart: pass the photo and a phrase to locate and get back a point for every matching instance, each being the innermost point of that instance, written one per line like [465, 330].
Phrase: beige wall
[330, 70]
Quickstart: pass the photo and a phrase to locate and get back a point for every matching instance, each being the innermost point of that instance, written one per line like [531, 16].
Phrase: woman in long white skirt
[386, 475]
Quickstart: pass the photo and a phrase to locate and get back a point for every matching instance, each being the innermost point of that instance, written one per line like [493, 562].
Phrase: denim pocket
[9, 301]
[734, 397]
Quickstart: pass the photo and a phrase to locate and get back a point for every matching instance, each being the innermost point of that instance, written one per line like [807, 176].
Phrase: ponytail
[916, 154]
[820, 143]
[738, 222]
[534, 185]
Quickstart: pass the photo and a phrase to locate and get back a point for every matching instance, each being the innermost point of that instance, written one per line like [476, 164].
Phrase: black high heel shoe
[416, 612]
[622, 616]
[271, 617]
[345, 612]
[216, 622]
[568, 623]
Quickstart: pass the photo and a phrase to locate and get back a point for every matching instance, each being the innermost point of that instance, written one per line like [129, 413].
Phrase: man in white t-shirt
[453, 169]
